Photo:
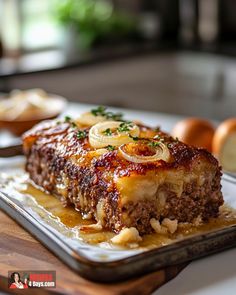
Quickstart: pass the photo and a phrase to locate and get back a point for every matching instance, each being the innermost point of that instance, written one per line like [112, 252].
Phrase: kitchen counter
[214, 275]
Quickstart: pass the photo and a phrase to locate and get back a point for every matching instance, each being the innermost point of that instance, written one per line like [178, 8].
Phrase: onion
[89, 119]
[98, 139]
[195, 131]
[223, 145]
[161, 153]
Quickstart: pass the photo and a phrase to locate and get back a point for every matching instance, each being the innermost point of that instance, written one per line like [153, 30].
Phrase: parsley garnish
[81, 134]
[114, 116]
[135, 138]
[67, 119]
[154, 144]
[110, 148]
[124, 126]
[101, 111]
[107, 132]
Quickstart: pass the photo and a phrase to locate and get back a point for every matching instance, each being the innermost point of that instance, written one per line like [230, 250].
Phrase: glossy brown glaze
[65, 135]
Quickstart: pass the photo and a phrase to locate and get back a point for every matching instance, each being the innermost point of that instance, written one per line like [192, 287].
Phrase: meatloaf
[115, 191]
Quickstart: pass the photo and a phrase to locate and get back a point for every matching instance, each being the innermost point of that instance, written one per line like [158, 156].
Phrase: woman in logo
[16, 282]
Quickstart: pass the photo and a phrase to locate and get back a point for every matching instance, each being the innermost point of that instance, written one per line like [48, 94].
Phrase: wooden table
[20, 251]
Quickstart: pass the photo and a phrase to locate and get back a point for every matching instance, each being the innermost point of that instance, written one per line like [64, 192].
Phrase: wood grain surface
[20, 251]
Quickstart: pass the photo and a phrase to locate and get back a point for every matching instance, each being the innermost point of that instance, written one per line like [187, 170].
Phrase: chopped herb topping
[124, 127]
[114, 116]
[110, 148]
[67, 119]
[107, 132]
[81, 134]
[101, 111]
[135, 138]
[153, 144]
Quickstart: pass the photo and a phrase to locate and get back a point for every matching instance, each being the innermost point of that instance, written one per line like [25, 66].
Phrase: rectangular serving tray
[111, 265]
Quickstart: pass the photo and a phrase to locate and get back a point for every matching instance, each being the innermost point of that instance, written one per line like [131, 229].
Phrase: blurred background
[172, 56]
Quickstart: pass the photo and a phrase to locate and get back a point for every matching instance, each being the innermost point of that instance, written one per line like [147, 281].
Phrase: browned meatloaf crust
[119, 193]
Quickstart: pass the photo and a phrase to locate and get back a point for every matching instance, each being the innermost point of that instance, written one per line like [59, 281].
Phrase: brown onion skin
[196, 132]
[222, 132]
